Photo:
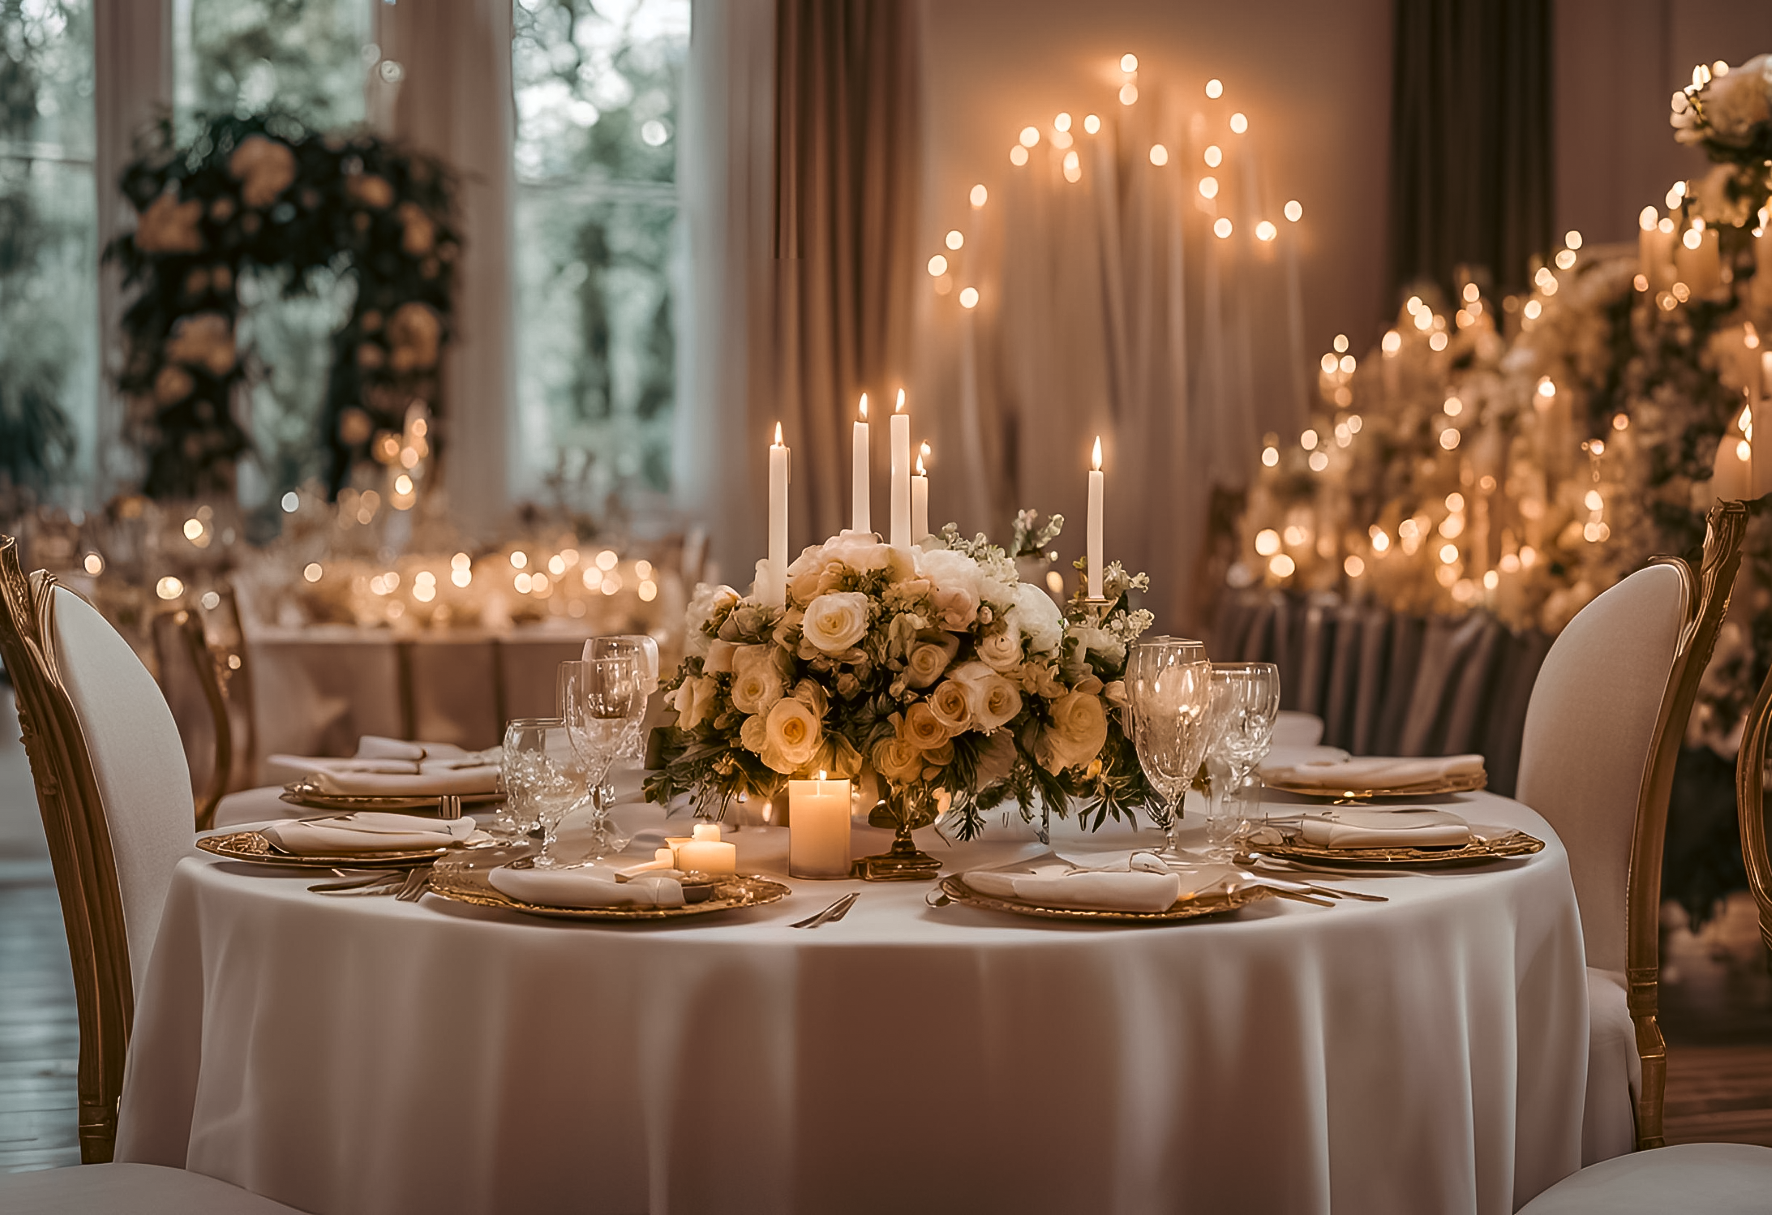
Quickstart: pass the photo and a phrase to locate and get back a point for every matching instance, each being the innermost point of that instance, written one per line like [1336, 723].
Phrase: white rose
[1001, 650]
[835, 622]
[718, 659]
[952, 706]
[694, 701]
[955, 580]
[1038, 618]
[928, 659]
[704, 605]
[1737, 103]
[791, 735]
[1079, 728]
[756, 680]
[994, 701]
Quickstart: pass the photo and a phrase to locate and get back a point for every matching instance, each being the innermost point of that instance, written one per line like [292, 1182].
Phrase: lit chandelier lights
[1062, 140]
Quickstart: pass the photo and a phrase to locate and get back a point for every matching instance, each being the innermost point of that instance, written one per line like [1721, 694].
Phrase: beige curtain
[455, 102]
[844, 246]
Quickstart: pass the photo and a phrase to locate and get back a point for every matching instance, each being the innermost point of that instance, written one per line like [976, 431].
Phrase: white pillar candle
[1698, 261]
[1096, 482]
[901, 477]
[1661, 261]
[860, 517]
[775, 581]
[920, 499]
[1646, 242]
[1760, 415]
[818, 828]
[1730, 475]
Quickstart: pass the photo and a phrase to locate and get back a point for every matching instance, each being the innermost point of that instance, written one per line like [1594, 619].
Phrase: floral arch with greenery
[263, 193]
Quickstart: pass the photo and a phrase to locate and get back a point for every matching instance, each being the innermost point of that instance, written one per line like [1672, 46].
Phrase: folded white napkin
[375, 746]
[1295, 729]
[1364, 827]
[1140, 882]
[1374, 772]
[585, 886]
[469, 774]
[366, 831]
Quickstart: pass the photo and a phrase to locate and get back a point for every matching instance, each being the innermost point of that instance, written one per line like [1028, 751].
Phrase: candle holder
[1097, 608]
[904, 861]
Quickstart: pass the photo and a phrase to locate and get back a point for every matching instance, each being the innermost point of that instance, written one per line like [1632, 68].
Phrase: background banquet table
[365, 1055]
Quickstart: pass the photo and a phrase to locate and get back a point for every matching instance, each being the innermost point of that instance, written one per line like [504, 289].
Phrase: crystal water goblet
[1169, 688]
[645, 650]
[538, 774]
[1245, 705]
[603, 702]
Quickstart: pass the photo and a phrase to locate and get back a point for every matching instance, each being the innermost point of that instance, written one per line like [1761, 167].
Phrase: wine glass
[1169, 687]
[1245, 705]
[645, 650]
[538, 778]
[602, 702]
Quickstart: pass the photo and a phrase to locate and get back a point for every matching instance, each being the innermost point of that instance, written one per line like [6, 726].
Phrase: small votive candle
[704, 852]
[818, 828]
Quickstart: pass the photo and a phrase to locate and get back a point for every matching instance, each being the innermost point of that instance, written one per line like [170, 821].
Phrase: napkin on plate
[1374, 772]
[1365, 827]
[366, 831]
[1141, 882]
[376, 746]
[392, 767]
[584, 886]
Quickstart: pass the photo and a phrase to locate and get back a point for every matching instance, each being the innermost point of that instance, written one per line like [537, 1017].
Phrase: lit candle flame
[925, 449]
[778, 434]
[864, 406]
[900, 406]
[1097, 464]
[920, 471]
[821, 774]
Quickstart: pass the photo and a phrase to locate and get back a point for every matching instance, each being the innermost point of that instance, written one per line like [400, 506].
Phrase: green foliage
[264, 194]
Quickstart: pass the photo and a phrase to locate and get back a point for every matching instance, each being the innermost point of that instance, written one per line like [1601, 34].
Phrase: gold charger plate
[305, 793]
[1218, 903]
[1515, 843]
[253, 847]
[464, 884]
[1452, 784]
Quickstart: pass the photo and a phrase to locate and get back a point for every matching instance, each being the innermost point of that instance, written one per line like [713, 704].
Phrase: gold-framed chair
[182, 652]
[1601, 701]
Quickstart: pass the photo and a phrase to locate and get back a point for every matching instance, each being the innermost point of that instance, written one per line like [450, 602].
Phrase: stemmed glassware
[644, 650]
[1169, 688]
[603, 702]
[540, 784]
[1245, 705]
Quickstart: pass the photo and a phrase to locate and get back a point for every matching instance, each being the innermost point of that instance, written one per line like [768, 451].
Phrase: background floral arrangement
[936, 677]
[263, 194]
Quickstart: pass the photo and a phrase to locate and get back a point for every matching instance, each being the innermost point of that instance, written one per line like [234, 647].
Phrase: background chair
[1603, 730]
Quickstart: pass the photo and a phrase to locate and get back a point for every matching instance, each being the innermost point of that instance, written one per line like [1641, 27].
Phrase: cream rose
[955, 579]
[929, 658]
[707, 602]
[756, 680]
[1079, 728]
[1001, 650]
[835, 622]
[694, 701]
[1038, 618]
[718, 659]
[994, 701]
[952, 706]
[922, 728]
[792, 734]
[897, 760]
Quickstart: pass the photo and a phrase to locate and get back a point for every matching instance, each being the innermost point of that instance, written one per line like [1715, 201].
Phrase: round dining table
[365, 1056]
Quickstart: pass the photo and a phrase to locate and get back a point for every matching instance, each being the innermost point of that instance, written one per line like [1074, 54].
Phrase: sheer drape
[455, 102]
[800, 190]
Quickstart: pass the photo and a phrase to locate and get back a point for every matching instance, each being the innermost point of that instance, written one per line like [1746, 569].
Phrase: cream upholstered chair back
[138, 760]
[115, 798]
[1590, 739]
[1603, 729]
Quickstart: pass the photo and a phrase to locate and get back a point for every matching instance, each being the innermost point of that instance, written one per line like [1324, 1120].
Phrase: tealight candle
[818, 828]
[706, 853]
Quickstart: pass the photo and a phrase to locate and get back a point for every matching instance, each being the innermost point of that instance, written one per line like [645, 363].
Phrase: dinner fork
[835, 911]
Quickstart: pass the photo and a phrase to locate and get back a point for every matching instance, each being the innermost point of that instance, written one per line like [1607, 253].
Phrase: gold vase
[904, 810]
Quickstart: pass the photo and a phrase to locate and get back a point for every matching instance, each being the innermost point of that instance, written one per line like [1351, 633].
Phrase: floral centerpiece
[934, 676]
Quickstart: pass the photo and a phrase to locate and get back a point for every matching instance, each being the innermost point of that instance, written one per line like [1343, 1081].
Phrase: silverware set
[831, 914]
[406, 885]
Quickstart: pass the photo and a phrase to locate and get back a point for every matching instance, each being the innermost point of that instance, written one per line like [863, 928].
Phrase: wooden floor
[39, 1038]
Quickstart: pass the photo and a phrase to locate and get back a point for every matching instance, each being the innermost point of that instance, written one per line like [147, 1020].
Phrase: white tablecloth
[365, 1055]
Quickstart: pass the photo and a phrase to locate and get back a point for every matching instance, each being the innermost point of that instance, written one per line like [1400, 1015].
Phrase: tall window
[309, 59]
[48, 247]
[596, 250]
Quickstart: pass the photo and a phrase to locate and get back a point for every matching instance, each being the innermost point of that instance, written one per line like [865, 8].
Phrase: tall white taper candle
[775, 583]
[860, 517]
[920, 499]
[901, 476]
[1096, 482]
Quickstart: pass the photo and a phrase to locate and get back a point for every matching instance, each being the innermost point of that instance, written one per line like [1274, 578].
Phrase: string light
[1215, 88]
[1294, 211]
[1239, 122]
[1222, 228]
[1159, 154]
[978, 196]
